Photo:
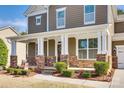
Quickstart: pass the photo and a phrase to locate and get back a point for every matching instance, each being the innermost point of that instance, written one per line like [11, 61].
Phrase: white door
[120, 55]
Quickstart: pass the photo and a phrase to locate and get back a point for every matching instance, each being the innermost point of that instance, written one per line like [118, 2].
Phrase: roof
[9, 27]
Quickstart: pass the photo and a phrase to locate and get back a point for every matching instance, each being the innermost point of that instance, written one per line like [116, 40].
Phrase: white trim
[58, 10]
[92, 22]
[88, 30]
[87, 49]
[37, 13]
[36, 18]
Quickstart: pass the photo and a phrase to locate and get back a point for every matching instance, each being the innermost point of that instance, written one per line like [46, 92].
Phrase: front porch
[78, 47]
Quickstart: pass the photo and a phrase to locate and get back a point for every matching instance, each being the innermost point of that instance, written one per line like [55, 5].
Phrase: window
[60, 18]
[89, 14]
[87, 48]
[38, 20]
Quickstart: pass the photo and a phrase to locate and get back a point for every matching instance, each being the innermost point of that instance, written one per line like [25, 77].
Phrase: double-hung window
[87, 48]
[60, 18]
[89, 14]
[38, 20]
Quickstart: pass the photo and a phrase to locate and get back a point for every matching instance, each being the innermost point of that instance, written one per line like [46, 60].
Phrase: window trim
[87, 49]
[58, 10]
[38, 17]
[92, 22]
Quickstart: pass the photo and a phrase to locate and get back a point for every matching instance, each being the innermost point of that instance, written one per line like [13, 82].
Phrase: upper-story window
[89, 14]
[60, 18]
[38, 20]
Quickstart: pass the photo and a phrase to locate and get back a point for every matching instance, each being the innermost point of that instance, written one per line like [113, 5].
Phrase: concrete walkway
[89, 83]
[118, 79]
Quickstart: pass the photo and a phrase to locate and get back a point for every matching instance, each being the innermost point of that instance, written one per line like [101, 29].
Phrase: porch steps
[48, 70]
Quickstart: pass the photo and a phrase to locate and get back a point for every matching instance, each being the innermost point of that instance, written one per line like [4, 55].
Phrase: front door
[120, 55]
[59, 51]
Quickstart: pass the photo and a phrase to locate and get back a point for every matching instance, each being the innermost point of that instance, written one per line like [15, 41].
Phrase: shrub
[86, 74]
[101, 68]
[68, 73]
[60, 66]
[3, 53]
[15, 71]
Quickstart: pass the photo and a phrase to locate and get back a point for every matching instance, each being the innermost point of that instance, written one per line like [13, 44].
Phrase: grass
[30, 82]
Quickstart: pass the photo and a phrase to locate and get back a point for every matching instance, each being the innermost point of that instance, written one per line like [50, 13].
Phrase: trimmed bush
[15, 71]
[60, 66]
[67, 73]
[86, 74]
[3, 53]
[101, 68]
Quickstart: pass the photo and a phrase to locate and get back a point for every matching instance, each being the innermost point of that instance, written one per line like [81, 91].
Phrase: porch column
[66, 45]
[64, 48]
[40, 42]
[13, 48]
[62, 45]
[99, 43]
[104, 42]
[13, 57]
[40, 59]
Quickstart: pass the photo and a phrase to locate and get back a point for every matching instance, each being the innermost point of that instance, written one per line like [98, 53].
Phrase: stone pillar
[114, 62]
[101, 57]
[13, 61]
[40, 61]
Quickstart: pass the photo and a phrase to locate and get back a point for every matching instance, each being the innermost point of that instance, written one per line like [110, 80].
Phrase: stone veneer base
[13, 61]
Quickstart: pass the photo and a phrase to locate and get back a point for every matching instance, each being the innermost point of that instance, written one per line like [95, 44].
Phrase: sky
[13, 15]
[120, 7]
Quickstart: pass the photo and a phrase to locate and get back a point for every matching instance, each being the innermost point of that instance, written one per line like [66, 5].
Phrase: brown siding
[32, 28]
[75, 17]
[119, 27]
[72, 46]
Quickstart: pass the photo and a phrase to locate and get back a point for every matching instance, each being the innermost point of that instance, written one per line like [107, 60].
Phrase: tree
[120, 11]
[3, 53]
[23, 33]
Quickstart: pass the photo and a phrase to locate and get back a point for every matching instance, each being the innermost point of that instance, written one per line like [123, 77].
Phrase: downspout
[47, 18]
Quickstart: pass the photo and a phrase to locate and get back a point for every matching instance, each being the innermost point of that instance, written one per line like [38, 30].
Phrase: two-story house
[77, 34]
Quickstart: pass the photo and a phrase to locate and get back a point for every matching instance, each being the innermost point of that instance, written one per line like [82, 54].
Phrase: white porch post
[62, 44]
[66, 45]
[13, 48]
[99, 43]
[56, 42]
[40, 42]
[104, 42]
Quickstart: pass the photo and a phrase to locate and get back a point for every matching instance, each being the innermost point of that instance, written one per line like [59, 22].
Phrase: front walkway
[89, 83]
[118, 79]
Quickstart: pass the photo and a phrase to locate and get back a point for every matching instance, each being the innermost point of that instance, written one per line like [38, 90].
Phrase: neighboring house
[7, 32]
[78, 34]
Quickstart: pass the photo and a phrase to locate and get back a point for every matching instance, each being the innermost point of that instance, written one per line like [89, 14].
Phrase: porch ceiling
[87, 31]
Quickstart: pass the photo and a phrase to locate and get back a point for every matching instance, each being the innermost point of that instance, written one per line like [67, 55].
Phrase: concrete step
[48, 71]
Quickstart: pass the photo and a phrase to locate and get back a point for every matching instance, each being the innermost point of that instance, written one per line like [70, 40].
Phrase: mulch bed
[105, 78]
